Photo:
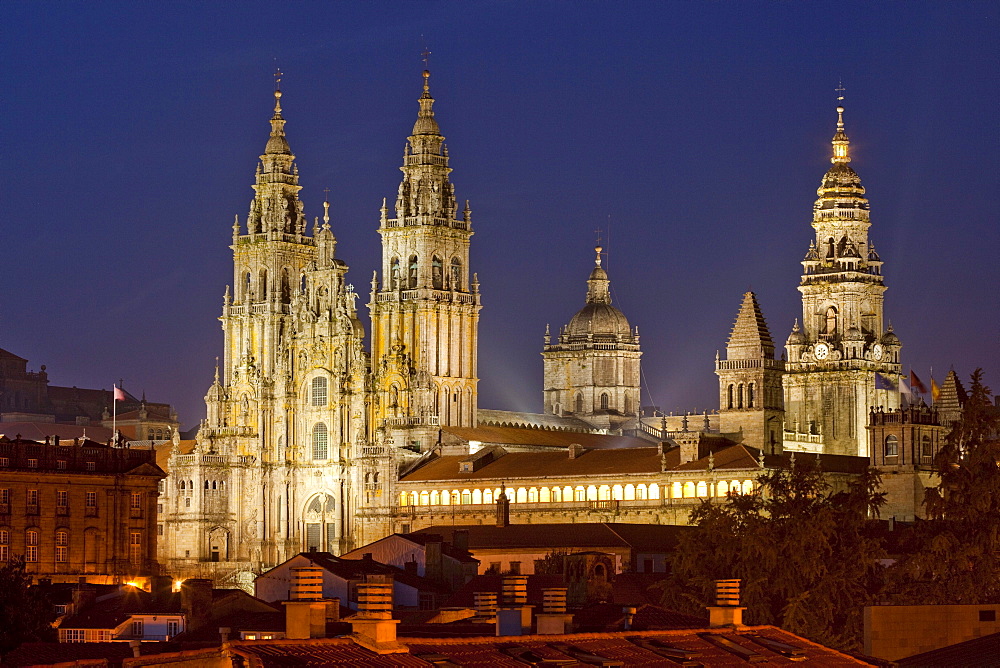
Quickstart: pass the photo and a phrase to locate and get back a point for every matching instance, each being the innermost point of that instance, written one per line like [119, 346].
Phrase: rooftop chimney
[486, 604]
[373, 627]
[576, 450]
[503, 507]
[514, 618]
[553, 619]
[460, 539]
[727, 610]
[305, 612]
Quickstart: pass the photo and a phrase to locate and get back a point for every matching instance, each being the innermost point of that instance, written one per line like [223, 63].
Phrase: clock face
[877, 351]
[821, 351]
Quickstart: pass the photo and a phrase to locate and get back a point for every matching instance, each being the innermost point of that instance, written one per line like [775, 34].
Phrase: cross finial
[840, 91]
[277, 77]
[600, 239]
[425, 54]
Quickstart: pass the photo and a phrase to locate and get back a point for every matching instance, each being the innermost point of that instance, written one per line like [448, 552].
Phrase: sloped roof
[163, 452]
[493, 651]
[356, 569]
[648, 617]
[447, 549]
[543, 437]
[38, 431]
[114, 610]
[487, 417]
[750, 338]
[976, 653]
[639, 537]
[558, 463]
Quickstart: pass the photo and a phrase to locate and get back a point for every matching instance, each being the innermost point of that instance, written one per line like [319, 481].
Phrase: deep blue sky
[130, 134]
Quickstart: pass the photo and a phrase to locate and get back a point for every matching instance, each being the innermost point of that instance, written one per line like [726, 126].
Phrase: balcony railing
[413, 421]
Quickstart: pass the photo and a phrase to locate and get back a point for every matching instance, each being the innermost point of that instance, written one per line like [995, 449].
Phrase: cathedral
[311, 432]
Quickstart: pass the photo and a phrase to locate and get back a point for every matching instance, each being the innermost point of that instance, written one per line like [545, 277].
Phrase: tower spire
[840, 141]
[598, 285]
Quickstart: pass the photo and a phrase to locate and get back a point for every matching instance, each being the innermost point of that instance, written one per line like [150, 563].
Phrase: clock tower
[841, 359]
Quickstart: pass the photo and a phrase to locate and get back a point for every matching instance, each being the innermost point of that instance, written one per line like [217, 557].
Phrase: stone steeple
[750, 338]
[750, 394]
[276, 207]
[833, 358]
[425, 307]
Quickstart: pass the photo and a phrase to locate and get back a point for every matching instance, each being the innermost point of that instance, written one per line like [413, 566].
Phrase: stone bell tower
[425, 307]
[842, 348]
[750, 393]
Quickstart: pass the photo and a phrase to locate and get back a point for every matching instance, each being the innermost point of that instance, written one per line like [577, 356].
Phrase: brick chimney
[727, 610]
[373, 627]
[306, 611]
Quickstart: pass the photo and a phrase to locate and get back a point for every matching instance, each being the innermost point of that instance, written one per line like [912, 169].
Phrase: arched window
[522, 495]
[722, 488]
[702, 489]
[925, 446]
[477, 496]
[579, 494]
[654, 491]
[748, 486]
[739, 396]
[247, 285]
[62, 547]
[579, 403]
[556, 495]
[750, 396]
[604, 493]
[413, 271]
[445, 498]
[592, 493]
[544, 496]
[320, 442]
[640, 492]
[617, 493]
[891, 446]
[394, 274]
[629, 492]
[689, 490]
[675, 491]
[488, 496]
[437, 273]
[404, 498]
[424, 498]
[831, 321]
[533, 495]
[456, 274]
[262, 285]
[319, 391]
[729, 402]
[605, 400]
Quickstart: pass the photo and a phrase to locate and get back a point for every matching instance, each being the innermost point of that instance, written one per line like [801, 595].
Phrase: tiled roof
[114, 610]
[447, 548]
[465, 597]
[538, 464]
[639, 648]
[640, 537]
[163, 451]
[355, 569]
[37, 431]
[543, 437]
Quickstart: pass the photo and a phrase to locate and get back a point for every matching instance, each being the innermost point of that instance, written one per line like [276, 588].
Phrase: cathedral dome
[599, 320]
[277, 144]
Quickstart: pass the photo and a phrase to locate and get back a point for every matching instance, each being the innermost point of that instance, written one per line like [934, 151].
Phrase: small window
[32, 463]
[987, 615]
[891, 446]
[91, 466]
[61, 464]
[515, 568]
[90, 500]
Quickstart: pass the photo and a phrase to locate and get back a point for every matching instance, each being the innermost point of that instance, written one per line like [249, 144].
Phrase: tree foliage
[954, 557]
[25, 615]
[802, 553]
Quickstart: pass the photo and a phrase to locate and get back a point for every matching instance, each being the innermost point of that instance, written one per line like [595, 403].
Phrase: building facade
[77, 508]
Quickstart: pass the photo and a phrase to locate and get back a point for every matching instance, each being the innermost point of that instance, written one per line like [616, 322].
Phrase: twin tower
[306, 426]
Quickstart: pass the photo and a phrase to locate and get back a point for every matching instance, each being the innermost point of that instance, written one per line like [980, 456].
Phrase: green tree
[953, 556]
[25, 615]
[803, 554]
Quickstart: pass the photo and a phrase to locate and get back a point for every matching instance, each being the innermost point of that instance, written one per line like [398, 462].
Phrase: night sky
[694, 133]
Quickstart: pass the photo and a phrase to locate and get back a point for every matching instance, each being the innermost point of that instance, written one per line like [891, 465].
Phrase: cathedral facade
[310, 434]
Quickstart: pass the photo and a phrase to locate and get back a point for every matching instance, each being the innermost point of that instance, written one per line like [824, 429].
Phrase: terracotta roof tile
[543, 437]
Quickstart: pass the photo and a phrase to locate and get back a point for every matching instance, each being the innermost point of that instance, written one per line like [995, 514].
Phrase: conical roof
[750, 338]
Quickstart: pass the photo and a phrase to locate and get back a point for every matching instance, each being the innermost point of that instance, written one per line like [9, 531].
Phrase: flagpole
[114, 415]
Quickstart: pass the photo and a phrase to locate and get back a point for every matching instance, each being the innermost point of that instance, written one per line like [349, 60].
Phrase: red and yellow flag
[935, 390]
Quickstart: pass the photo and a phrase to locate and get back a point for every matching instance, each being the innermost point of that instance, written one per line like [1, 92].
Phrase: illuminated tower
[750, 393]
[273, 468]
[425, 308]
[833, 358]
[592, 371]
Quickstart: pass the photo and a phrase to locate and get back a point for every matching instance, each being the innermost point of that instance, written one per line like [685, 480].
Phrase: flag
[935, 390]
[904, 389]
[917, 384]
[119, 394]
[884, 383]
